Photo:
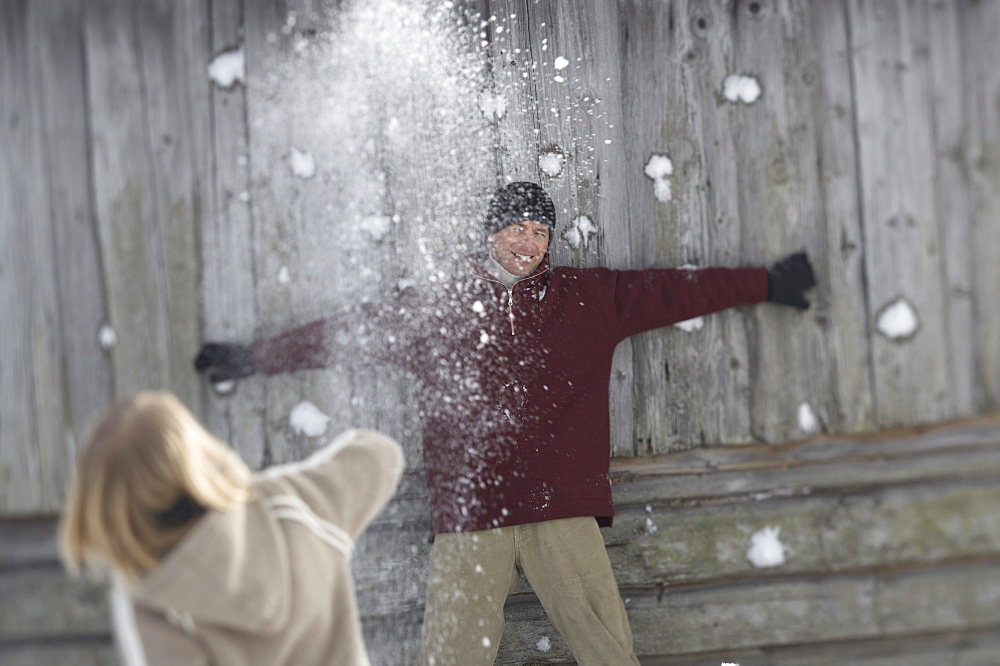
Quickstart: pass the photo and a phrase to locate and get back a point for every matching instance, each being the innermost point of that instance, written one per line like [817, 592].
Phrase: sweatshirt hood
[231, 570]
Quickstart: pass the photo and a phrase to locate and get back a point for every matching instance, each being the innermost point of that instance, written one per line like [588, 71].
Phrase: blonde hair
[144, 455]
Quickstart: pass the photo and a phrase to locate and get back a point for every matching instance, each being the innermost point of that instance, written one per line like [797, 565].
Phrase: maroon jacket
[513, 385]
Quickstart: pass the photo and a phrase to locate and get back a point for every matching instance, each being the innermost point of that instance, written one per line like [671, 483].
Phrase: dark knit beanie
[518, 202]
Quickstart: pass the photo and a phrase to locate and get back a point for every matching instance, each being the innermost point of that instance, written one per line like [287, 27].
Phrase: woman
[221, 566]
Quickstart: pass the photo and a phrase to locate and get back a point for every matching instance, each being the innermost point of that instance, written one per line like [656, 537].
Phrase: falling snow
[579, 232]
[107, 337]
[544, 644]
[303, 165]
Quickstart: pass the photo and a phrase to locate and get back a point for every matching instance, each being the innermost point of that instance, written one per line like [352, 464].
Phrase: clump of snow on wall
[494, 107]
[307, 419]
[551, 163]
[808, 422]
[228, 67]
[659, 168]
[766, 550]
[579, 232]
[544, 644]
[898, 320]
[107, 337]
[740, 88]
[284, 277]
[303, 164]
[691, 325]
[377, 226]
[225, 387]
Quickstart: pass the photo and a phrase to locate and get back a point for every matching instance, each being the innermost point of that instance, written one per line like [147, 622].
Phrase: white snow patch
[691, 325]
[729, 663]
[807, 419]
[494, 107]
[544, 644]
[766, 550]
[478, 307]
[651, 527]
[228, 67]
[284, 277]
[302, 163]
[551, 163]
[224, 388]
[306, 419]
[659, 168]
[376, 226]
[739, 88]
[558, 79]
[898, 320]
[486, 642]
[107, 337]
[579, 232]
[561, 63]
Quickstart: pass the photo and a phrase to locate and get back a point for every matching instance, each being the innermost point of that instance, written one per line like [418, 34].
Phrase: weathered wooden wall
[136, 194]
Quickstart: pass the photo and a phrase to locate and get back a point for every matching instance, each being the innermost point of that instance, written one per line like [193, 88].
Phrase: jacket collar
[478, 270]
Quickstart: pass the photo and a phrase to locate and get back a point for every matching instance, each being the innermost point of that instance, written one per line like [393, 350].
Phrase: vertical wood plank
[229, 308]
[125, 198]
[173, 51]
[980, 39]
[59, 77]
[20, 463]
[891, 60]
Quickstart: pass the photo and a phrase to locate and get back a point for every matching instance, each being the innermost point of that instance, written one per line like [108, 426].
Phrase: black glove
[227, 361]
[788, 277]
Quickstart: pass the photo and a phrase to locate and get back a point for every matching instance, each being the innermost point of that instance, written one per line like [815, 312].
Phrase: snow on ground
[739, 88]
[307, 419]
[228, 67]
[766, 550]
[659, 168]
[579, 232]
[302, 163]
[898, 320]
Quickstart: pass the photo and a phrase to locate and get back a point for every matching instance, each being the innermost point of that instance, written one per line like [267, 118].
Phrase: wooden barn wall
[139, 198]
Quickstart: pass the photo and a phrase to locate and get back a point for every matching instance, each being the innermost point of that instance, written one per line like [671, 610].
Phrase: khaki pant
[472, 573]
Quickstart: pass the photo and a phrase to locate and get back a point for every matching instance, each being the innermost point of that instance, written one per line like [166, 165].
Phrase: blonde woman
[221, 566]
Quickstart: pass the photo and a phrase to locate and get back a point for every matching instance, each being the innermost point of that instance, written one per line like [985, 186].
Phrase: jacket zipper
[510, 295]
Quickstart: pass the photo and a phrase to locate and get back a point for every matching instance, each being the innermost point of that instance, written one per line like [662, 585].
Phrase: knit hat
[518, 202]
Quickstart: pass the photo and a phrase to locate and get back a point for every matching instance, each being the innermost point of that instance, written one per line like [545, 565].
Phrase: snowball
[229, 67]
[765, 549]
[306, 419]
[107, 337]
[561, 63]
[544, 644]
[659, 166]
[303, 165]
[739, 88]
[691, 325]
[579, 232]
[551, 163]
[898, 320]
[807, 419]
[376, 226]
[284, 277]
[494, 107]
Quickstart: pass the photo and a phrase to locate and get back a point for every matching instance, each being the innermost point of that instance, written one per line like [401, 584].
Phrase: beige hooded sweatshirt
[268, 582]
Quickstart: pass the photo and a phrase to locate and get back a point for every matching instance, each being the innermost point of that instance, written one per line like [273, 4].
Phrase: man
[512, 364]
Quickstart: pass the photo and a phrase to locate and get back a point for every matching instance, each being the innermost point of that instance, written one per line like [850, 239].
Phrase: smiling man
[511, 362]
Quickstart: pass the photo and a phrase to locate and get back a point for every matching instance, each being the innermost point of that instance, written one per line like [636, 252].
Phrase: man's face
[520, 247]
